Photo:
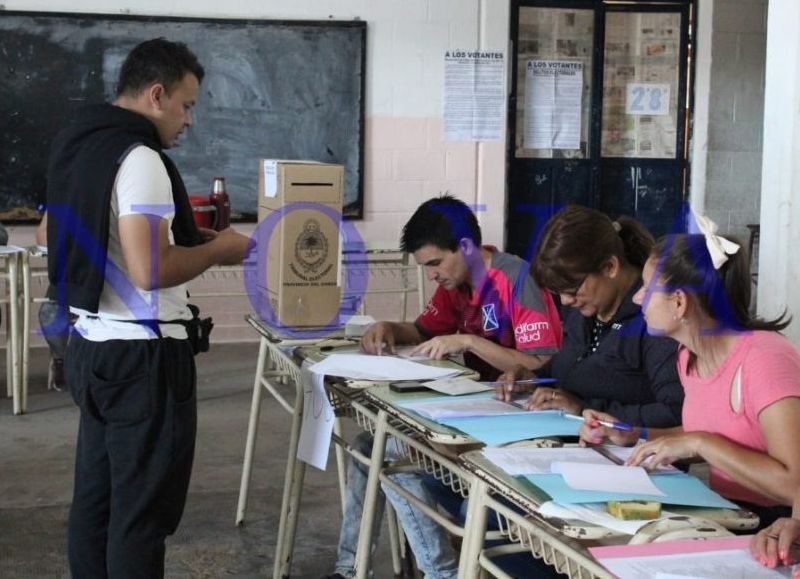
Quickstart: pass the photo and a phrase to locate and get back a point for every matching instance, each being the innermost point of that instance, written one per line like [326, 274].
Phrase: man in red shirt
[487, 307]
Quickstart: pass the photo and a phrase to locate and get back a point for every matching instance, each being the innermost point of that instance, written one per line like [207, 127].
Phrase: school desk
[563, 543]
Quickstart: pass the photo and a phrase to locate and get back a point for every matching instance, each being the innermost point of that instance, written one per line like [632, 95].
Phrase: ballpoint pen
[536, 381]
[615, 425]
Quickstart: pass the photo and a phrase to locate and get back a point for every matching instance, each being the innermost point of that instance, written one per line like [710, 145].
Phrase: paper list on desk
[462, 407]
[522, 461]
[457, 386]
[318, 417]
[713, 558]
[606, 478]
[379, 368]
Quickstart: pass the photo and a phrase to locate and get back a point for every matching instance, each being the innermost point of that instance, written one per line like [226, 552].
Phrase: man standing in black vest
[122, 244]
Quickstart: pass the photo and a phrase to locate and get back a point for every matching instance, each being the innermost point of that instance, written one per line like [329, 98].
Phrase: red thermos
[220, 200]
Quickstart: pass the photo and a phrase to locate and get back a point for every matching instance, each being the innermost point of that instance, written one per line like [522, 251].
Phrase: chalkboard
[273, 89]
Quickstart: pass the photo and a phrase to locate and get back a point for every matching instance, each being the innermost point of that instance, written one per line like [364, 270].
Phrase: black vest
[84, 161]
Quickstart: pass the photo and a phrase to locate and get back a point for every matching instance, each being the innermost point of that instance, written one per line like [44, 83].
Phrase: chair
[378, 260]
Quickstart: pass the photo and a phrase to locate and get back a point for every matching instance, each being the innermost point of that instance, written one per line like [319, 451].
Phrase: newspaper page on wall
[553, 91]
[640, 85]
[474, 95]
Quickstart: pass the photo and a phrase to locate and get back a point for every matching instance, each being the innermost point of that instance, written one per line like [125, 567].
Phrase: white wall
[735, 94]
[779, 274]
[406, 160]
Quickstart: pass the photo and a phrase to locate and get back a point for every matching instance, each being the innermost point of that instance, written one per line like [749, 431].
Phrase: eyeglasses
[573, 292]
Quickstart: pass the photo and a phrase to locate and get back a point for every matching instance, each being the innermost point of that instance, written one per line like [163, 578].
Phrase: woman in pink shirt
[741, 413]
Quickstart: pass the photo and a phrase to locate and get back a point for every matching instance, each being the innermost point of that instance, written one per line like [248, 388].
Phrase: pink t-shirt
[770, 372]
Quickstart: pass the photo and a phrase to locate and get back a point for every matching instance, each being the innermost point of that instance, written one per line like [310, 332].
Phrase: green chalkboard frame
[284, 89]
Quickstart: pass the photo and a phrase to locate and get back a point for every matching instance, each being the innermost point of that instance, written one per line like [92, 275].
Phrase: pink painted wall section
[406, 162]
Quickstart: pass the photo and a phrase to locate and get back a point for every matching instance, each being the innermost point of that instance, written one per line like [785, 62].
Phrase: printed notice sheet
[553, 90]
[474, 95]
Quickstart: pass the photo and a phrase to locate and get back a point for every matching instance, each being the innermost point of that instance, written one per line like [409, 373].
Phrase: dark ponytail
[636, 239]
[684, 262]
[579, 241]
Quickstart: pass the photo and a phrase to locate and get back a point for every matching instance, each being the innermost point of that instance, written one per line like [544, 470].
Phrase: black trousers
[134, 455]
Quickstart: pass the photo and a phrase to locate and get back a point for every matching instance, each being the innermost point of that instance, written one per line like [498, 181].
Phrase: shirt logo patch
[489, 318]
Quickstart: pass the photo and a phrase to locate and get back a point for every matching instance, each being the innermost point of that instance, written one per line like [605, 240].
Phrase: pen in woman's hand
[624, 426]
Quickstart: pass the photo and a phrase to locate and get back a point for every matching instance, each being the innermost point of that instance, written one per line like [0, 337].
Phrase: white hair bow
[719, 247]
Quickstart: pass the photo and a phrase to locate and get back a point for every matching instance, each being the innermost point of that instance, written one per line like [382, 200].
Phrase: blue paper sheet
[680, 489]
[497, 430]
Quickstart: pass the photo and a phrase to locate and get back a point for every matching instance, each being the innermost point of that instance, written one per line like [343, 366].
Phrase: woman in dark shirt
[608, 361]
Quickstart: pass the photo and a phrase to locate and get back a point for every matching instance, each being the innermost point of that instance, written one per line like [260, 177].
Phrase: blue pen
[615, 425]
[526, 381]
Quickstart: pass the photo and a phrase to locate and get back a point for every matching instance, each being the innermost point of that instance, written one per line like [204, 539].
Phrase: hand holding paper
[440, 347]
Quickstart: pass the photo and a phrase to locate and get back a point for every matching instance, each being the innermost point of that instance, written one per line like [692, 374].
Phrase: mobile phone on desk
[407, 386]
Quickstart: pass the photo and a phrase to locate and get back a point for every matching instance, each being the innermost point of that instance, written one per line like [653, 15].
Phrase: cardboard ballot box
[299, 214]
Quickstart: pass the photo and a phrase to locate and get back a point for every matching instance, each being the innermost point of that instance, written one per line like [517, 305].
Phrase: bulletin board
[273, 89]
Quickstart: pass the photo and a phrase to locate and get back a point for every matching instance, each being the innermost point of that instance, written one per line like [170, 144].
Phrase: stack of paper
[446, 407]
[379, 368]
[595, 514]
[458, 386]
[710, 559]
[522, 461]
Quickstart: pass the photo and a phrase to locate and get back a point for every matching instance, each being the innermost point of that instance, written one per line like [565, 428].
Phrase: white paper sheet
[606, 478]
[595, 514]
[553, 93]
[460, 408]
[318, 417]
[474, 103]
[366, 367]
[521, 461]
[7, 249]
[456, 386]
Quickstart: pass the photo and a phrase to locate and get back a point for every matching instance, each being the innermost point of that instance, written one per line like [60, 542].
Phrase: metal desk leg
[395, 538]
[26, 325]
[292, 491]
[475, 530]
[13, 299]
[252, 432]
[341, 461]
[364, 552]
[9, 361]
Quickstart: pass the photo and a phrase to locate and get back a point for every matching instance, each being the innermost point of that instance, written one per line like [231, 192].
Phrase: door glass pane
[640, 85]
[554, 61]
